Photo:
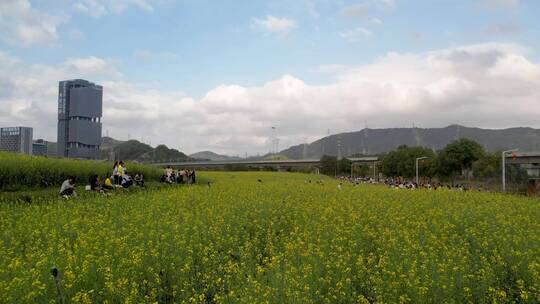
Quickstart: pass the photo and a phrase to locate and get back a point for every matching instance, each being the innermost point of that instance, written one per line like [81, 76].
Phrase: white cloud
[22, 25]
[273, 24]
[375, 21]
[485, 85]
[98, 8]
[91, 66]
[356, 34]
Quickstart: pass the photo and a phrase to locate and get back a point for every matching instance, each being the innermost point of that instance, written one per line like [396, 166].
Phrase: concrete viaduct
[261, 163]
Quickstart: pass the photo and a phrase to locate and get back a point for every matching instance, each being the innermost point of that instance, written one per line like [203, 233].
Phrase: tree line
[460, 159]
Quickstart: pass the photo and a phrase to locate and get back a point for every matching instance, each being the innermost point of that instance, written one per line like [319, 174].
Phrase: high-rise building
[39, 148]
[80, 107]
[16, 139]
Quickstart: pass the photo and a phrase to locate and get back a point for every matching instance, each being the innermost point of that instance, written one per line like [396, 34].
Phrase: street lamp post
[375, 170]
[416, 165]
[504, 167]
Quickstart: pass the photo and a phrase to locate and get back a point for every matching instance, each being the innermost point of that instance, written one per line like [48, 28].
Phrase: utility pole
[339, 148]
[416, 165]
[504, 167]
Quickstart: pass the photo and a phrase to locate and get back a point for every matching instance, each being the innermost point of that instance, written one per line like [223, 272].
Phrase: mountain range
[364, 142]
[377, 141]
[209, 155]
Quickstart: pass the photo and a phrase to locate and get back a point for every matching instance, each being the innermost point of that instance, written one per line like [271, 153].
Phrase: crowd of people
[183, 176]
[119, 179]
[401, 183]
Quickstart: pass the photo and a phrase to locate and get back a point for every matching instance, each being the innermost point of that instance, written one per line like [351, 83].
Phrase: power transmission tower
[304, 153]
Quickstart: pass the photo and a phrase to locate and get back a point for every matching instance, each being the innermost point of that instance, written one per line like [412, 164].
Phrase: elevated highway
[523, 158]
[260, 163]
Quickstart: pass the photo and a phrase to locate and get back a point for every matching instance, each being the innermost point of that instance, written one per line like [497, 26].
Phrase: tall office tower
[16, 139]
[39, 148]
[80, 107]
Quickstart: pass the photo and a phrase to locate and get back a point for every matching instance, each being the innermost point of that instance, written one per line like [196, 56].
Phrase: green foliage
[132, 149]
[487, 166]
[344, 166]
[331, 166]
[163, 154]
[328, 165]
[19, 171]
[459, 156]
[401, 162]
[363, 170]
[281, 240]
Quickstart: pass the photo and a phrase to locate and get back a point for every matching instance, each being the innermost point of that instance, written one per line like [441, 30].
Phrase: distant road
[287, 162]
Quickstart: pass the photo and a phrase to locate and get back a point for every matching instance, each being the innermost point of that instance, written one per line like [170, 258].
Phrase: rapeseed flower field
[278, 240]
[19, 171]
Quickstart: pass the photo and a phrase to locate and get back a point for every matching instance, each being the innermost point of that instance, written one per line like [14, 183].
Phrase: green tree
[487, 166]
[458, 157]
[344, 166]
[402, 162]
[331, 166]
[328, 165]
[363, 170]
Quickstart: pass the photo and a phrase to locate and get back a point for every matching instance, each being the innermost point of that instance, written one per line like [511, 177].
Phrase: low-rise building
[39, 148]
[16, 139]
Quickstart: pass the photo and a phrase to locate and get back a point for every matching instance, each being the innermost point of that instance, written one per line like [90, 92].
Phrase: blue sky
[195, 54]
[197, 45]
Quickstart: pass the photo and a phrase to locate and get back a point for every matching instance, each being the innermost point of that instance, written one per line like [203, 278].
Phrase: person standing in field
[188, 177]
[183, 174]
[192, 177]
[116, 176]
[121, 169]
[67, 189]
[168, 173]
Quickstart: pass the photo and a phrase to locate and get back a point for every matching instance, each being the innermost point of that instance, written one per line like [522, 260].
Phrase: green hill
[133, 150]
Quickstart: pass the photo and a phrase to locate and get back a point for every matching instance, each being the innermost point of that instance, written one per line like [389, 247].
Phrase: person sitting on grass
[94, 183]
[126, 181]
[67, 189]
[108, 185]
[139, 179]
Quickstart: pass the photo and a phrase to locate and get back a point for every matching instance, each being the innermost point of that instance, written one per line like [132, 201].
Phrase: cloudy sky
[217, 75]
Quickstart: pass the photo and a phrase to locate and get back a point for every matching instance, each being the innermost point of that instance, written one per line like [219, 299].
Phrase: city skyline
[187, 75]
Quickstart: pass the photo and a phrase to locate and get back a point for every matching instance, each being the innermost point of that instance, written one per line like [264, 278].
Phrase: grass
[280, 240]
